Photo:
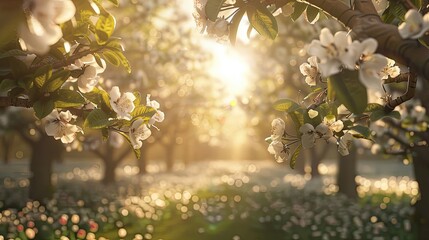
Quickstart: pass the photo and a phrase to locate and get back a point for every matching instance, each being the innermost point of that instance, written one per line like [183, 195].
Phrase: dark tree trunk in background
[314, 162]
[169, 158]
[6, 144]
[142, 162]
[44, 152]
[300, 164]
[109, 175]
[347, 173]
[421, 172]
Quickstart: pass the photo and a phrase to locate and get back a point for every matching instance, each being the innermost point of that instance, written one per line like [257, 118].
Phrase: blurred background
[208, 164]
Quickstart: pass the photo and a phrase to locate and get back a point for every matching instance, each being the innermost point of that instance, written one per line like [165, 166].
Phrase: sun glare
[230, 68]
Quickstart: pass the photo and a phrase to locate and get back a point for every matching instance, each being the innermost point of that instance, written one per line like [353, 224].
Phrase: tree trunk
[142, 162]
[347, 173]
[109, 176]
[169, 158]
[44, 152]
[301, 163]
[421, 172]
[6, 147]
[314, 161]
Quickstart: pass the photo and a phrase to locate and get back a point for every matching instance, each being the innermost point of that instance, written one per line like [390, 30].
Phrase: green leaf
[111, 58]
[96, 119]
[7, 84]
[65, 98]
[212, 9]
[312, 13]
[262, 20]
[361, 131]
[57, 80]
[235, 22]
[13, 53]
[349, 90]
[143, 111]
[371, 107]
[115, 2]
[295, 156]
[42, 108]
[286, 105]
[380, 114]
[104, 28]
[297, 118]
[299, 8]
[42, 75]
[315, 91]
[136, 151]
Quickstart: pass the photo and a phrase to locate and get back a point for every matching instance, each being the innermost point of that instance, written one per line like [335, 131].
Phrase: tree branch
[16, 102]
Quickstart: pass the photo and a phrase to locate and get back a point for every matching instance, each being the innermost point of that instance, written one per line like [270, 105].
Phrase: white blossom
[159, 115]
[279, 150]
[345, 143]
[312, 113]
[58, 125]
[139, 131]
[333, 51]
[390, 70]
[324, 132]
[333, 124]
[122, 104]
[220, 28]
[371, 64]
[88, 80]
[277, 129]
[418, 112]
[309, 134]
[414, 26]
[311, 71]
[41, 29]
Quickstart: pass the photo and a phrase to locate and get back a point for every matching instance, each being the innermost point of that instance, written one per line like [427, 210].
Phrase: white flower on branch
[58, 125]
[139, 131]
[390, 70]
[311, 134]
[335, 126]
[414, 26]
[333, 51]
[277, 129]
[279, 150]
[159, 115]
[41, 29]
[311, 71]
[371, 64]
[122, 104]
[418, 112]
[345, 143]
[219, 29]
[312, 113]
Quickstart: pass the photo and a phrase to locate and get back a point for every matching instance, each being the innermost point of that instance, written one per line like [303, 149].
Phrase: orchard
[214, 119]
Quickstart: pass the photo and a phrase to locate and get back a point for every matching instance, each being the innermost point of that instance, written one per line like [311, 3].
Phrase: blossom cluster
[309, 135]
[217, 29]
[332, 53]
[41, 30]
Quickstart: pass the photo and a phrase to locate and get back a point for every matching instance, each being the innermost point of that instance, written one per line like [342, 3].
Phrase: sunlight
[230, 68]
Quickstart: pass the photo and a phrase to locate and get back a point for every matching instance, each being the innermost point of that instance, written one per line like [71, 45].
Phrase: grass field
[217, 200]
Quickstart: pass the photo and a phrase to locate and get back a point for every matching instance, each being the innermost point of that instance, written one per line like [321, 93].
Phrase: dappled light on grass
[209, 200]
